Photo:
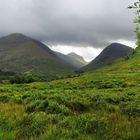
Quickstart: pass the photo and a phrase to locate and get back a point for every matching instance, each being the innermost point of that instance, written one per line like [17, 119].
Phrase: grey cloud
[69, 22]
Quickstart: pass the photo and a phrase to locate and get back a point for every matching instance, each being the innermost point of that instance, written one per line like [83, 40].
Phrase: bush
[4, 98]
[85, 124]
[16, 99]
[98, 101]
[42, 106]
[113, 99]
[37, 105]
[57, 133]
[55, 108]
[31, 126]
[32, 97]
[105, 84]
[132, 109]
[31, 107]
[20, 78]
[76, 105]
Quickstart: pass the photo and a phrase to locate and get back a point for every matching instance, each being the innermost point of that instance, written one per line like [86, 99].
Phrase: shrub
[105, 84]
[37, 105]
[55, 108]
[77, 105]
[113, 99]
[32, 97]
[132, 109]
[65, 110]
[31, 107]
[57, 133]
[98, 101]
[85, 124]
[16, 99]
[128, 97]
[4, 98]
[20, 78]
[31, 126]
[42, 106]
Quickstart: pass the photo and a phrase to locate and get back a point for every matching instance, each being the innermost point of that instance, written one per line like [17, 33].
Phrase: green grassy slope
[99, 105]
[19, 53]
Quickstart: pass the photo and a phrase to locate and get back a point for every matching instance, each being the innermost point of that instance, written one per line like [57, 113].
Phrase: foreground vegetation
[99, 105]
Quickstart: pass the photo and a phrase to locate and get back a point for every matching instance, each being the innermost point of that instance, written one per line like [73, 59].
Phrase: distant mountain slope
[77, 59]
[108, 55]
[72, 59]
[126, 69]
[6, 75]
[19, 53]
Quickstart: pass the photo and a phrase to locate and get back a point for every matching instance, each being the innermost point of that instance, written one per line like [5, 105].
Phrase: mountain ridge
[19, 53]
[72, 59]
[109, 54]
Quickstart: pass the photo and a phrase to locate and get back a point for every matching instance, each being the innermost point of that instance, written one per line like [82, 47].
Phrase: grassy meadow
[99, 105]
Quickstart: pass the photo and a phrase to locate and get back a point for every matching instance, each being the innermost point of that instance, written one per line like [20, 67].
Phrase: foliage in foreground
[99, 105]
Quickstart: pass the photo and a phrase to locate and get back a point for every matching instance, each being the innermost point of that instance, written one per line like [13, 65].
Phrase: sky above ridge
[82, 26]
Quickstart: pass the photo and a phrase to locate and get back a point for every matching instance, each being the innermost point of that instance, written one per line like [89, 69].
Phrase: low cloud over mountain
[68, 22]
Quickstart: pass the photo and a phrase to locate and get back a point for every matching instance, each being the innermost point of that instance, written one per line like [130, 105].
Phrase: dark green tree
[26, 77]
[136, 6]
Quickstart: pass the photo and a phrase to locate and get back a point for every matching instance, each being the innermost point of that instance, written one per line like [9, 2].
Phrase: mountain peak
[16, 35]
[13, 38]
[19, 53]
[72, 54]
[73, 59]
[108, 55]
[115, 43]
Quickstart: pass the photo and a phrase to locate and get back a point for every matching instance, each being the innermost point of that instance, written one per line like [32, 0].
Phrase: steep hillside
[72, 59]
[103, 104]
[127, 68]
[4, 75]
[108, 55]
[19, 53]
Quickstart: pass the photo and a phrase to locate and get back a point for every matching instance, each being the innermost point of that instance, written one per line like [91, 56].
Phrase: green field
[99, 105]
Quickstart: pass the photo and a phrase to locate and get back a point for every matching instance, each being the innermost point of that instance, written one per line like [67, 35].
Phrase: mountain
[19, 53]
[77, 59]
[108, 55]
[6, 75]
[105, 102]
[72, 59]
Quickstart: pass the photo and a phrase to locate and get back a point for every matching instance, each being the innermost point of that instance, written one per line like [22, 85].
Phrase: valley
[69, 70]
[101, 104]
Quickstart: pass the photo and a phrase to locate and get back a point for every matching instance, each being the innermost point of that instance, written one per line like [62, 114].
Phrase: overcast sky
[70, 24]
